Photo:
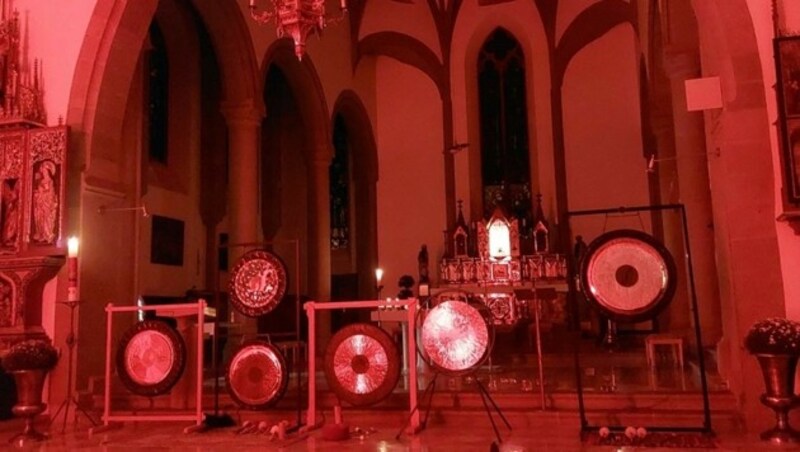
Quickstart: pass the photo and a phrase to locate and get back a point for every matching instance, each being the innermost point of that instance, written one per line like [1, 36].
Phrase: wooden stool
[674, 341]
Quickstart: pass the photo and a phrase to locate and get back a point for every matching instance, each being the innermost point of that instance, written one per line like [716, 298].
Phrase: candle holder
[69, 397]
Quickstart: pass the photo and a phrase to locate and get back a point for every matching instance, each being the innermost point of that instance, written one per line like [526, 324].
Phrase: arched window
[157, 95]
[340, 187]
[505, 169]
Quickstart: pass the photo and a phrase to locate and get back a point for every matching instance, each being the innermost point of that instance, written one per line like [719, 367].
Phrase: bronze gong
[151, 357]
[257, 283]
[362, 364]
[456, 337]
[628, 275]
[257, 375]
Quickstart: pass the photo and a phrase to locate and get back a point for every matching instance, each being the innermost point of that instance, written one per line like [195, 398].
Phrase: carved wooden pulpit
[32, 191]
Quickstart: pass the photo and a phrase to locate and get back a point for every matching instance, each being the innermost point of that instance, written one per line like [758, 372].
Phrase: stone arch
[308, 92]
[108, 57]
[103, 132]
[365, 176]
[317, 149]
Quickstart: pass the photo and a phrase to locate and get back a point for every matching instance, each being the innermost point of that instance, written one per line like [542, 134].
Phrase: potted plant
[776, 344]
[29, 361]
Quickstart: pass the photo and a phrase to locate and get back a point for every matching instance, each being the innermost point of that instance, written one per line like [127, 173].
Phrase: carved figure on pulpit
[10, 211]
[45, 203]
[6, 301]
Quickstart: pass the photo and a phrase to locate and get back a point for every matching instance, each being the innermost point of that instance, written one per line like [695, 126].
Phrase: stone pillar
[691, 163]
[244, 121]
[319, 239]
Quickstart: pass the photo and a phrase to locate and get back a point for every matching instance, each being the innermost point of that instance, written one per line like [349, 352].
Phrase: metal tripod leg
[486, 396]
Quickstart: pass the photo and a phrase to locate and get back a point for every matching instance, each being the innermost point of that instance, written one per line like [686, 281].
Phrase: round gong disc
[151, 357]
[257, 283]
[257, 375]
[362, 364]
[456, 337]
[628, 275]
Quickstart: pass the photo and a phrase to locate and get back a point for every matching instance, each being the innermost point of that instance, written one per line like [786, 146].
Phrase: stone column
[691, 163]
[244, 121]
[319, 239]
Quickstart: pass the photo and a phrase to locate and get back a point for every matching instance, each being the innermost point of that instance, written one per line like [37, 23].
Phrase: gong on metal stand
[257, 375]
[456, 338]
[630, 276]
[362, 364]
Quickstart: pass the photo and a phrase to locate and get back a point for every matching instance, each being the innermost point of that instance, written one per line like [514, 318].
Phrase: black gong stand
[217, 418]
[430, 390]
[572, 280]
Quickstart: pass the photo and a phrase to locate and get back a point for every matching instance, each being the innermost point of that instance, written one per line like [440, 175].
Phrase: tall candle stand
[69, 398]
[72, 303]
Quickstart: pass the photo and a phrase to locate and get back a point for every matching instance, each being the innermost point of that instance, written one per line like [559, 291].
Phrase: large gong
[362, 364]
[151, 357]
[628, 275]
[257, 283]
[456, 336]
[257, 375]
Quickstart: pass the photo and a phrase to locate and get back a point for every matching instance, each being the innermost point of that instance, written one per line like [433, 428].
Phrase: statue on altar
[422, 262]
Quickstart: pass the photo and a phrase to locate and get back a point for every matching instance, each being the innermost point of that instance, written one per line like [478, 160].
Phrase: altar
[505, 266]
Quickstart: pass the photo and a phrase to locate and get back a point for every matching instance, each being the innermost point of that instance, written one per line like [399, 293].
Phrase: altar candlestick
[72, 269]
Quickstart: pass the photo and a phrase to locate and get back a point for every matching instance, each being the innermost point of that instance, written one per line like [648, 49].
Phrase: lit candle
[72, 269]
[378, 276]
[344, 4]
[252, 4]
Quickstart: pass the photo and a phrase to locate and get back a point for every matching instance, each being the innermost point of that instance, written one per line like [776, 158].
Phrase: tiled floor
[447, 431]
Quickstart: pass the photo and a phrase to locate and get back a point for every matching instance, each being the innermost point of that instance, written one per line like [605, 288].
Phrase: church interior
[292, 222]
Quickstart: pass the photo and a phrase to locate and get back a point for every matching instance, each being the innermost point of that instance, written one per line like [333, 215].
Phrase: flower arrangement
[774, 336]
[32, 354]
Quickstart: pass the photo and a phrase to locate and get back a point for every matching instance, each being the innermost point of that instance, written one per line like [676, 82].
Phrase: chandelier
[298, 19]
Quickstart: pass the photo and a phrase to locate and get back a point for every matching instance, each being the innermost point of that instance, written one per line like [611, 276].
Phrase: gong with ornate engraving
[362, 364]
[151, 357]
[257, 375]
[257, 283]
[628, 275]
[456, 337]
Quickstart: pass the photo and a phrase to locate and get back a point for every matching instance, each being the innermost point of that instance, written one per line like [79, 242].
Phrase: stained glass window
[505, 169]
[340, 187]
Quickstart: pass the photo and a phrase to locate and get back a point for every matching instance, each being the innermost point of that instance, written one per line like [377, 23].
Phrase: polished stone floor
[460, 431]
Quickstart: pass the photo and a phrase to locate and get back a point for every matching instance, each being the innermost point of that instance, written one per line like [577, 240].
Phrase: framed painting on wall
[787, 60]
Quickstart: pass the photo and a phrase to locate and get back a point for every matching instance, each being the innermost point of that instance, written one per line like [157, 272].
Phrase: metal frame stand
[69, 397]
[681, 209]
[311, 308]
[110, 420]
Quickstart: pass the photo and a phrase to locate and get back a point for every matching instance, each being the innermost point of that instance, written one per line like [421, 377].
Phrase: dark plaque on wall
[166, 244]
